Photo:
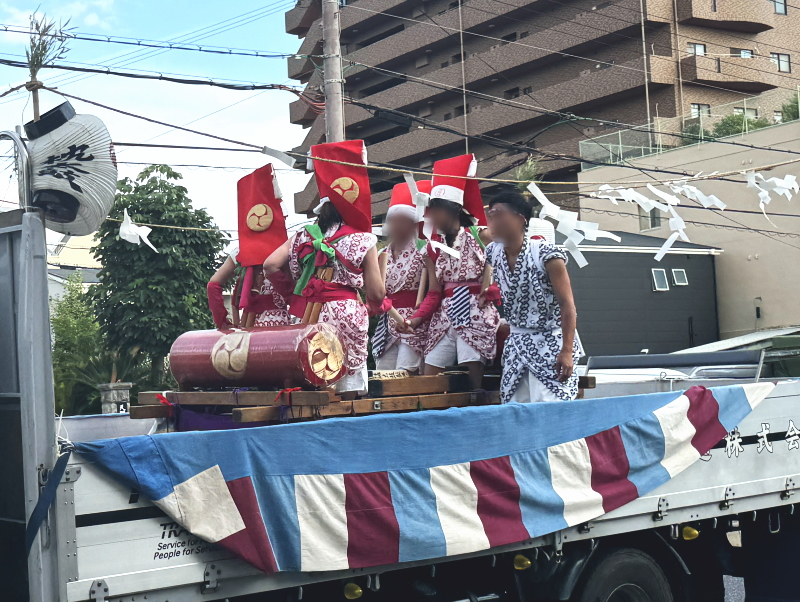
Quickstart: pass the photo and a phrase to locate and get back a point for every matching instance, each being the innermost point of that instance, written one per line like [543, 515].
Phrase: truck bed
[129, 546]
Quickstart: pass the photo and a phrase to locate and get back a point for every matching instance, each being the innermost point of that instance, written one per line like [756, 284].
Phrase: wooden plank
[419, 385]
[587, 382]
[243, 398]
[362, 407]
[149, 411]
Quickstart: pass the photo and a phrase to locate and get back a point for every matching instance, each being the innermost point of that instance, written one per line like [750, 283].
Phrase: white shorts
[399, 356]
[451, 351]
[357, 382]
[531, 389]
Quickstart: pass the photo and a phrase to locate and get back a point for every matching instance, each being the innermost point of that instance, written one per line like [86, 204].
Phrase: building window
[512, 37]
[742, 53]
[698, 49]
[783, 61]
[457, 58]
[649, 220]
[699, 109]
[527, 90]
[459, 110]
[780, 7]
[777, 116]
[749, 113]
[512, 93]
[660, 282]
[679, 277]
[448, 116]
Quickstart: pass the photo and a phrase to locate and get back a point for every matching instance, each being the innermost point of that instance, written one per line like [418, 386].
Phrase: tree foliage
[693, 134]
[145, 300]
[789, 109]
[76, 338]
[731, 125]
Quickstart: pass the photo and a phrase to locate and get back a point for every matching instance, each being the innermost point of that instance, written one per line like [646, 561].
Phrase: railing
[701, 125]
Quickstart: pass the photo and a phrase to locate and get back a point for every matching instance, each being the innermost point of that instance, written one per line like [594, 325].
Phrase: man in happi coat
[463, 330]
[341, 240]
[543, 348]
[262, 229]
[405, 265]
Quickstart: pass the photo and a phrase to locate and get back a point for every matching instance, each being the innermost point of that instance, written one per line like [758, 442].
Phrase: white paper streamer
[280, 156]
[133, 233]
[569, 225]
[694, 194]
[785, 186]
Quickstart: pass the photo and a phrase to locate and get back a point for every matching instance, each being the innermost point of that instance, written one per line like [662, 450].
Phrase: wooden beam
[587, 382]
[243, 398]
[419, 385]
[362, 407]
[149, 411]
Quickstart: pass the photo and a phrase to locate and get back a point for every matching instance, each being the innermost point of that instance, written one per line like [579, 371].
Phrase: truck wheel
[624, 575]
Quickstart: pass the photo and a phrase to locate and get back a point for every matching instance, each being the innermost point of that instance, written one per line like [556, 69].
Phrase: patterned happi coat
[349, 316]
[273, 317]
[481, 332]
[531, 308]
[402, 274]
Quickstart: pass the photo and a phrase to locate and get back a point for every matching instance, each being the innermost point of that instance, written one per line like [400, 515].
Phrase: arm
[276, 270]
[373, 283]
[214, 288]
[485, 235]
[557, 271]
[432, 301]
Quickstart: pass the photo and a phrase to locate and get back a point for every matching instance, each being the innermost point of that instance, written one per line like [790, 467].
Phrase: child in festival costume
[543, 347]
[341, 240]
[404, 264]
[463, 330]
[261, 230]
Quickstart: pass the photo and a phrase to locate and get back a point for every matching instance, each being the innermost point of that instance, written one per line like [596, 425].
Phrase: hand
[482, 299]
[565, 364]
[408, 326]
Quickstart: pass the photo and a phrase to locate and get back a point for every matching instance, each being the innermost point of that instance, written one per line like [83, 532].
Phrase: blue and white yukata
[536, 339]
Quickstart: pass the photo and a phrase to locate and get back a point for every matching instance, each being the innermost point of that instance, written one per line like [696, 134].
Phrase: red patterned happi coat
[403, 274]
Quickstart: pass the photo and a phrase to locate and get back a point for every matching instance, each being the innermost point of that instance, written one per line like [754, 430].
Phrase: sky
[256, 117]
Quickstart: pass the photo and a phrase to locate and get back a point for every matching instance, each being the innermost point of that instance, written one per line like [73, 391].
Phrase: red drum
[273, 357]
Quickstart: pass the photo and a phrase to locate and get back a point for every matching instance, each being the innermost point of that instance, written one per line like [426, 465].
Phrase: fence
[703, 123]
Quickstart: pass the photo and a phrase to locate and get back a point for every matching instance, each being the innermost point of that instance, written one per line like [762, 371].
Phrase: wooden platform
[449, 390]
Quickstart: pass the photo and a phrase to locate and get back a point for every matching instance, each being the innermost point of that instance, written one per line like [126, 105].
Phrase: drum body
[273, 357]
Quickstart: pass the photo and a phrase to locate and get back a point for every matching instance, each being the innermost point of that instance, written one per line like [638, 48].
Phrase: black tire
[623, 575]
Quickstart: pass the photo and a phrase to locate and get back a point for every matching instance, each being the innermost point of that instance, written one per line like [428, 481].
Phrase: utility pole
[333, 83]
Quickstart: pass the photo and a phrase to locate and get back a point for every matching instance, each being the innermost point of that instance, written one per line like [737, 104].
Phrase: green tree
[730, 125]
[76, 338]
[145, 300]
[691, 134]
[789, 110]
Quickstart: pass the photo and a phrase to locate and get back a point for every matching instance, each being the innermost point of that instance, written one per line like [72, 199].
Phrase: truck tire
[624, 575]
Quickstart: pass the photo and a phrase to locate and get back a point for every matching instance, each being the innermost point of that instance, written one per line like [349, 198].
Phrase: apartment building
[540, 75]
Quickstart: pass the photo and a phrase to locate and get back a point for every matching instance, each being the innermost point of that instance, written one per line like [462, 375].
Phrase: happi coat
[349, 316]
[531, 308]
[404, 273]
[481, 330]
[273, 317]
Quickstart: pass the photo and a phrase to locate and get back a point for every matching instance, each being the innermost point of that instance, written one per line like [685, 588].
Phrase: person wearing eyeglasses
[543, 348]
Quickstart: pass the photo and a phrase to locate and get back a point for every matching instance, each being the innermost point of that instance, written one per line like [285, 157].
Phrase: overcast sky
[259, 117]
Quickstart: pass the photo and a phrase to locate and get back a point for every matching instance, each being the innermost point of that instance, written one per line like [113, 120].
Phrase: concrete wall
[760, 263]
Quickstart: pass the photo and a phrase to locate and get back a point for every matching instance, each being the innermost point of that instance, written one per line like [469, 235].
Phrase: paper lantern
[74, 170]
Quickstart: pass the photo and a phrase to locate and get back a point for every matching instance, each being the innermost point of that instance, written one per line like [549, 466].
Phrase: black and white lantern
[74, 170]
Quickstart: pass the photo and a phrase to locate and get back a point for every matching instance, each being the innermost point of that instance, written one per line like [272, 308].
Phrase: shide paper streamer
[785, 186]
[133, 233]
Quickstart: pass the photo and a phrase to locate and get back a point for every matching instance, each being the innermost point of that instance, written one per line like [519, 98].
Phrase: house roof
[640, 243]
[89, 276]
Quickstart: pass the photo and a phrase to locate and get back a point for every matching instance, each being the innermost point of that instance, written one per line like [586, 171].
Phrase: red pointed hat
[459, 189]
[262, 227]
[346, 186]
[402, 201]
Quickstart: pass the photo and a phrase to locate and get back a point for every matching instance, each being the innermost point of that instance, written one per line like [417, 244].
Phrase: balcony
[300, 18]
[750, 16]
[300, 67]
[508, 59]
[756, 74]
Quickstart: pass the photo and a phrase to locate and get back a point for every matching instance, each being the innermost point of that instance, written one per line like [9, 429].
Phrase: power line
[193, 36]
[146, 43]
